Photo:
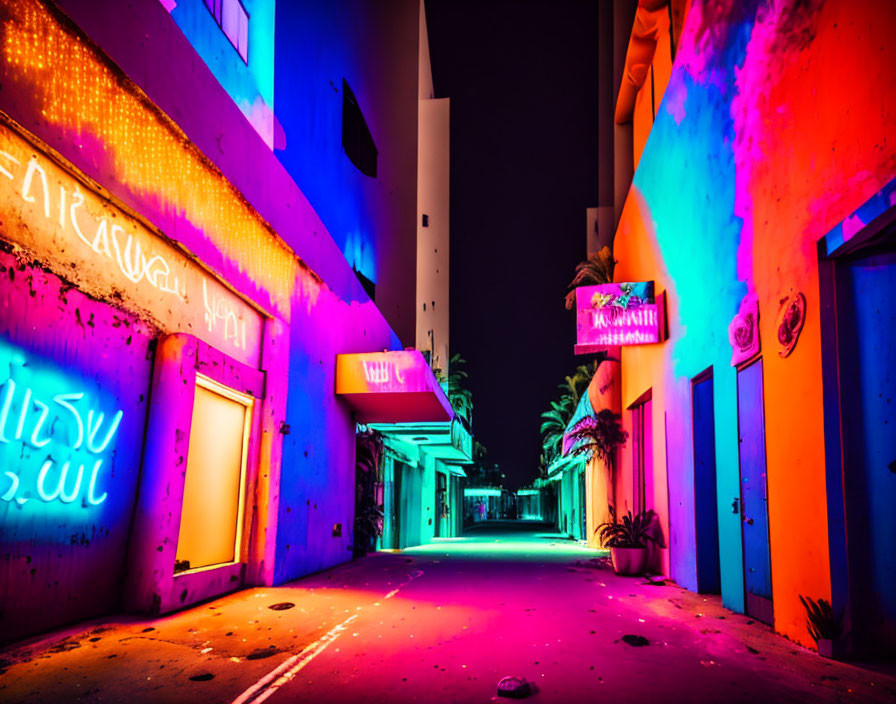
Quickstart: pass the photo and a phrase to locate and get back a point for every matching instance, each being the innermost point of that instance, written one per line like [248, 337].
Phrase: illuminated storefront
[425, 444]
[95, 303]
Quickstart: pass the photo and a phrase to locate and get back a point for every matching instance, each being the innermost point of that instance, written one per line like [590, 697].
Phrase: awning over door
[391, 387]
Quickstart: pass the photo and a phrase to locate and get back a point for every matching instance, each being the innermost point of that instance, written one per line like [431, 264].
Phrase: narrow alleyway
[441, 623]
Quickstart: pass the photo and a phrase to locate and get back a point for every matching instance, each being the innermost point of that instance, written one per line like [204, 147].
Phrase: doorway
[642, 454]
[214, 485]
[866, 322]
[754, 493]
[441, 504]
[706, 517]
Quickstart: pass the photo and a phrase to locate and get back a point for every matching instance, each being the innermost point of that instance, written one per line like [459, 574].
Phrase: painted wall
[433, 201]
[317, 484]
[250, 85]
[433, 240]
[774, 127]
[374, 47]
[63, 548]
[180, 157]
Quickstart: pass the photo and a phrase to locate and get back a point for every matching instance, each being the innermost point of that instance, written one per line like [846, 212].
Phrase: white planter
[629, 561]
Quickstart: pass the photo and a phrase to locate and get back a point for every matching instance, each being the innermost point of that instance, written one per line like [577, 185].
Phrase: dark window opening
[232, 18]
[356, 138]
[425, 220]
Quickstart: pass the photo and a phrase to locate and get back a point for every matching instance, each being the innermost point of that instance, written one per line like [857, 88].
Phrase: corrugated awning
[583, 410]
[391, 387]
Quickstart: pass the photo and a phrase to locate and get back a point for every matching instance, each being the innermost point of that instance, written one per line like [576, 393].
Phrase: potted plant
[627, 540]
[825, 627]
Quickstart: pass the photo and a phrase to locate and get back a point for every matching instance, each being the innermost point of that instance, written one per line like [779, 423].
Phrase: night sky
[522, 79]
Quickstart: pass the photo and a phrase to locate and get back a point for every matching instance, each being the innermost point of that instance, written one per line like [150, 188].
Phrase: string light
[76, 89]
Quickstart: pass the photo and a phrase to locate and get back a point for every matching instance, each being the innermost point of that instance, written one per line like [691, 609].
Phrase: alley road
[441, 623]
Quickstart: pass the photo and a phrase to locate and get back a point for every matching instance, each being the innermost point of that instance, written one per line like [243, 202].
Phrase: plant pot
[629, 561]
[832, 649]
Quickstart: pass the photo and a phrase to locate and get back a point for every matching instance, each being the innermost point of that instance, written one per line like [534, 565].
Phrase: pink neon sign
[617, 314]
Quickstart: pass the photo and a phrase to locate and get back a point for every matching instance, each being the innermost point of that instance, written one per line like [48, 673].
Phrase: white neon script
[70, 428]
[379, 373]
[106, 237]
[219, 309]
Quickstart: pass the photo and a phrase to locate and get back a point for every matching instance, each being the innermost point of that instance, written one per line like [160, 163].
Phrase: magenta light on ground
[617, 314]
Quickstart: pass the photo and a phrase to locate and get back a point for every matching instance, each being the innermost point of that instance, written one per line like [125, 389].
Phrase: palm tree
[599, 436]
[597, 269]
[555, 420]
[368, 480]
[553, 425]
[460, 398]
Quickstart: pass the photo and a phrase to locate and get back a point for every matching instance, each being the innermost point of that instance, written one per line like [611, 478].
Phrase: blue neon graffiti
[67, 420]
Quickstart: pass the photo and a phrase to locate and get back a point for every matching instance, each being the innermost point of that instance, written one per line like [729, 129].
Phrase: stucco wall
[181, 156]
[776, 124]
[63, 559]
[374, 47]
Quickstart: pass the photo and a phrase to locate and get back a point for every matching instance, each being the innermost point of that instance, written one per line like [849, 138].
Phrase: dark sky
[522, 79]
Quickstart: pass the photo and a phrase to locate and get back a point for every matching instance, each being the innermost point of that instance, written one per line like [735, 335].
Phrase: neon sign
[106, 252]
[617, 314]
[378, 372]
[60, 438]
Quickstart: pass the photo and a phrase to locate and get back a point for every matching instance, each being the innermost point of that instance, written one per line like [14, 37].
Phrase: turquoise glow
[698, 235]
[54, 437]
[250, 86]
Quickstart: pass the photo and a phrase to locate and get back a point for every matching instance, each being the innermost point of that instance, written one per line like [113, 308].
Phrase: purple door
[754, 493]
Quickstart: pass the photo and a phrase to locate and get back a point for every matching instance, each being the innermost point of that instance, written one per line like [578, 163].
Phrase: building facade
[762, 206]
[174, 298]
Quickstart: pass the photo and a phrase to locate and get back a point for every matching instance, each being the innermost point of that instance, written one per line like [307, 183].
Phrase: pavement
[441, 623]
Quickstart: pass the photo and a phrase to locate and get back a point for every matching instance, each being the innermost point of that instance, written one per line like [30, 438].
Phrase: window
[233, 20]
[356, 138]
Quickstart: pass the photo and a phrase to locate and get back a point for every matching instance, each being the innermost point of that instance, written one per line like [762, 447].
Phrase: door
[583, 509]
[441, 504]
[642, 459]
[867, 351]
[706, 518]
[397, 528]
[754, 493]
[410, 508]
[212, 512]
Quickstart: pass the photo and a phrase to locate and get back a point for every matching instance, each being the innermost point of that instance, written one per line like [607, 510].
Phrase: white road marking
[289, 668]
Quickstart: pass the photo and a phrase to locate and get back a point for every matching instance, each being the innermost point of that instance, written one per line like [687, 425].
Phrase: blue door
[754, 493]
[706, 517]
[867, 321]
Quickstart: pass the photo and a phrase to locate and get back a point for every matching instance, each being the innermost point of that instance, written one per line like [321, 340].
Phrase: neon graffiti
[112, 241]
[66, 224]
[60, 484]
[73, 427]
[219, 309]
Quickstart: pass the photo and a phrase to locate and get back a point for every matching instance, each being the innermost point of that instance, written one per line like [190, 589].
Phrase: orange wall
[773, 128]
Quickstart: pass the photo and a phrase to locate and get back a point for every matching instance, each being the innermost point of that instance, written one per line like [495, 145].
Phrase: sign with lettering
[391, 387]
[609, 315]
[107, 253]
[54, 437]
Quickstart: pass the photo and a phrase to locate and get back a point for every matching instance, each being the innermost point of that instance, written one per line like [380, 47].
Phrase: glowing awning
[391, 387]
[583, 410]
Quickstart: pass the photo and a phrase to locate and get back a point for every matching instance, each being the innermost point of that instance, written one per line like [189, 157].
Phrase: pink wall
[259, 226]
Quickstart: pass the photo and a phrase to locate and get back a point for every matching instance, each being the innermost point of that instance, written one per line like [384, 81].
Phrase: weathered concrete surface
[442, 623]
